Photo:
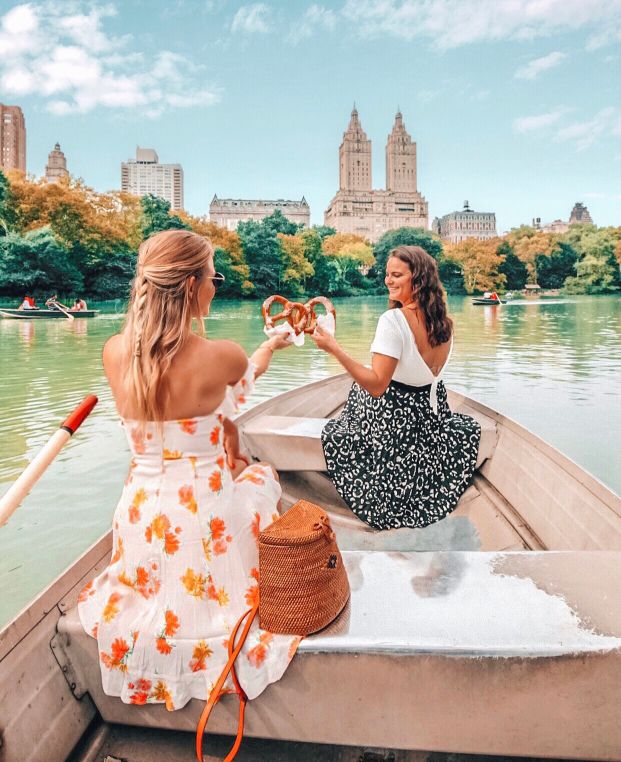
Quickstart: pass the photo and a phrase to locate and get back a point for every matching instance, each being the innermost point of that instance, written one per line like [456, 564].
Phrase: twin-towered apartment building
[356, 208]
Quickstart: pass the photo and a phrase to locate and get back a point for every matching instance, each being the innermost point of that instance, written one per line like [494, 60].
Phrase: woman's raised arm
[374, 380]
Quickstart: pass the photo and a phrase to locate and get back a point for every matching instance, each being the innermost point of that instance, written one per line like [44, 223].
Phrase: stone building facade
[457, 226]
[12, 138]
[56, 166]
[145, 174]
[228, 212]
[356, 207]
[580, 215]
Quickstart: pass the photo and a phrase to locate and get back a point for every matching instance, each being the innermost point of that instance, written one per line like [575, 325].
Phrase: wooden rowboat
[481, 300]
[496, 631]
[44, 314]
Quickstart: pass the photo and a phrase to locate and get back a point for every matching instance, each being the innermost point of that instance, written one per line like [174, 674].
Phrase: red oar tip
[74, 421]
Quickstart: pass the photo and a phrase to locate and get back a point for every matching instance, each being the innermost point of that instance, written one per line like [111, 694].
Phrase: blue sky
[515, 106]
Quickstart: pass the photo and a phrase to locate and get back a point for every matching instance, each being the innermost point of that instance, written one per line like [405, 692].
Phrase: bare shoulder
[113, 348]
[228, 356]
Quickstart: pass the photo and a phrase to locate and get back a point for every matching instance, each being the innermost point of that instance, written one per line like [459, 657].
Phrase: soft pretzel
[269, 319]
[298, 317]
[312, 315]
[294, 313]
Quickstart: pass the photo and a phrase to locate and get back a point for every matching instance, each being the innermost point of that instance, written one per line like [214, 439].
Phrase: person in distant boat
[79, 305]
[185, 558]
[28, 304]
[396, 454]
[53, 304]
[494, 297]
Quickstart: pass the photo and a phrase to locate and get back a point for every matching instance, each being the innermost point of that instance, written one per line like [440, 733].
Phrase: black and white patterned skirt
[394, 461]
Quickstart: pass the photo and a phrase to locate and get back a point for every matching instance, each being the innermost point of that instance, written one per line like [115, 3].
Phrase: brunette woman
[396, 454]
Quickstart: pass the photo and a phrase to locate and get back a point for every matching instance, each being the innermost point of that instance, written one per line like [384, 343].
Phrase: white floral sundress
[184, 566]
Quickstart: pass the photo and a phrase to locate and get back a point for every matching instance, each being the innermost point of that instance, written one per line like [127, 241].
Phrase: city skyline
[523, 120]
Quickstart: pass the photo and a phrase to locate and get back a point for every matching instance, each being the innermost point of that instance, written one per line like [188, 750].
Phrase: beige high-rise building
[580, 215]
[56, 166]
[12, 138]
[229, 212]
[457, 226]
[145, 175]
[359, 209]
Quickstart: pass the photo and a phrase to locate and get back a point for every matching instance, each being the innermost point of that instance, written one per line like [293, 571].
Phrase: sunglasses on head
[218, 279]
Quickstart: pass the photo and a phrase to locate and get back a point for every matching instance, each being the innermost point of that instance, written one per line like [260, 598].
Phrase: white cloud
[535, 67]
[426, 96]
[315, 17]
[607, 122]
[452, 23]
[252, 19]
[538, 121]
[64, 54]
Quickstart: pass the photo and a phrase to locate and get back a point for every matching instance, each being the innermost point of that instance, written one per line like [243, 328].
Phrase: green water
[553, 365]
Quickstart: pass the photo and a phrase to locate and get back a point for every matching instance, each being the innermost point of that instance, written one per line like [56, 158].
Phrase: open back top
[394, 338]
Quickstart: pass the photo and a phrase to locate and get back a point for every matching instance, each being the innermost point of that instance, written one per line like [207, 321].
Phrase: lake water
[554, 365]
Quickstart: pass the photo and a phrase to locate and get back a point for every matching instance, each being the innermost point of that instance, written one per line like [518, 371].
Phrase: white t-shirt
[394, 338]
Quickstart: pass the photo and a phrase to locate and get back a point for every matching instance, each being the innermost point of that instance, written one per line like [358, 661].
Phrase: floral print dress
[184, 566]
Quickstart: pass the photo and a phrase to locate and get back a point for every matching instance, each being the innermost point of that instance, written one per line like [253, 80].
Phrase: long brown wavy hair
[427, 291]
[160, 312]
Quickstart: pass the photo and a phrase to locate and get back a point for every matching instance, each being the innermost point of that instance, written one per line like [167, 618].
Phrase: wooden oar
[70, 317]
[14, 496]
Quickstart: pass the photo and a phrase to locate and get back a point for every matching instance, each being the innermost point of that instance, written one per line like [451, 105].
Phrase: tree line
[65, 238]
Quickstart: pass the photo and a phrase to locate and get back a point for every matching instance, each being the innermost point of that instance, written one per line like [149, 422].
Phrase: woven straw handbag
[303, 586]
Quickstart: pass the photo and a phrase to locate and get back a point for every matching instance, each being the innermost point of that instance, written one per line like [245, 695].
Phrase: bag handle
[217, 692]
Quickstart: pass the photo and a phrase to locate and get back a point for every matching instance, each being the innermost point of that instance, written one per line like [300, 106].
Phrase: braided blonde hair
[160, 312]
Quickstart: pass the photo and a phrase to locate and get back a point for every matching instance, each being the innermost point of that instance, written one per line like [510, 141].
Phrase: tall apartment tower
[580, 214]
[356, 207]
[144, 175]
[56, 166]
[400, 159]
[355, 157]
[12, 138]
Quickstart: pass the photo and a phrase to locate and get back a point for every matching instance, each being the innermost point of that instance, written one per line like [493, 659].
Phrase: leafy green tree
[323, 231]
[5, 192]
[296, 267]
[452, 275]
[37, 263]
[263, 255]
[553, 271]
[512, 268]
[108, 270]
[278, 223]
[595, 275]
[156, 216]
[402, 237]
[236, 275]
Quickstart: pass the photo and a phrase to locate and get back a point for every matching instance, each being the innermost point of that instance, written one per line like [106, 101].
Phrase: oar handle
[73, 422]
[16, 493]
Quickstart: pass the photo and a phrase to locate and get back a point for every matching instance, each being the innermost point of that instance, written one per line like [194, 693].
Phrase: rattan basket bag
[303, 586]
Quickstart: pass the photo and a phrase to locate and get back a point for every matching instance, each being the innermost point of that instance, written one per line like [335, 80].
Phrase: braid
[139, 301]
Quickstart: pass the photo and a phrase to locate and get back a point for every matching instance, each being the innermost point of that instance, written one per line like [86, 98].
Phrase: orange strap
[217, 692]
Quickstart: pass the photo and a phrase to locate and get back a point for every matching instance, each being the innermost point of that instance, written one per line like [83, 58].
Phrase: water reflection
[555, 366]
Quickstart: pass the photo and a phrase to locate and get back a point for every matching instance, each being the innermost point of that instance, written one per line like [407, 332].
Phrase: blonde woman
[184, 562]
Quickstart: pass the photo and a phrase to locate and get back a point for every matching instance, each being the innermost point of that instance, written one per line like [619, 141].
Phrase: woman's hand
[231, 442]
[324, 340]
[279, 341]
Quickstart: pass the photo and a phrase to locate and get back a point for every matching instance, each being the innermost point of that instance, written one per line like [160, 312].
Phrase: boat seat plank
[292, 443]
[449, 632]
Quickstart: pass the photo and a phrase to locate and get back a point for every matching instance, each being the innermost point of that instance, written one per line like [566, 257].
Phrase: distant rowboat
[482, 300]
[43, 314]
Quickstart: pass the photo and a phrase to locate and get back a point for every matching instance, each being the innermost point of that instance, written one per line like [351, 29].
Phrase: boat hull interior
[496, 631]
